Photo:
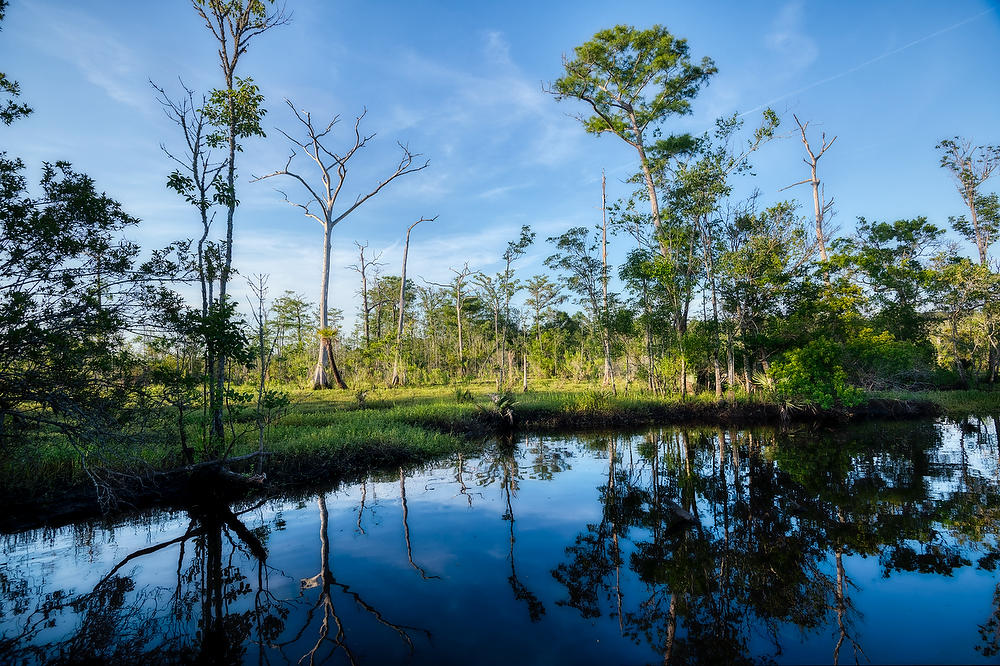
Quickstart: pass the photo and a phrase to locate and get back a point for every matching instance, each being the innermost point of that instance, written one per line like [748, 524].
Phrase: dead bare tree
[820, 204]
[406, 528]
[362, 268]
[971, 166]
[197, 178]
[326, 582]
[457, 285]
[402, 301]
[609, 370]
[332, 169]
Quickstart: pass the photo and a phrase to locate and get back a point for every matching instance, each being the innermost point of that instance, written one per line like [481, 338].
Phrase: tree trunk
[970, 200]
[218, 432]
[496, 338]
[395, 381]
[461, 344]
[710, 268]
[524, 367]
[364, 301]
[746, 371]
[609, 372]
[320, 378]
[654, 204]
[954, 345]
[609, 376]
[818, 210]
[730, 365]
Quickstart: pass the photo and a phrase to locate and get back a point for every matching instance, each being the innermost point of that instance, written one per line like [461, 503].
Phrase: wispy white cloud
[790, 41]
[496, 48]
[499, 191]
[96, 51]
[872, 61]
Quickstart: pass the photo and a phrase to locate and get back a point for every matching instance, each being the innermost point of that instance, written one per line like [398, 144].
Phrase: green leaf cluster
[815, 374]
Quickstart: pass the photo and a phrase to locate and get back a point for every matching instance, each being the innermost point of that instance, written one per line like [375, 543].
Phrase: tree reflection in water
[213, 614]
[120, 622]
[770, 511]
[705, 545]
[325, 583]
[504, 459]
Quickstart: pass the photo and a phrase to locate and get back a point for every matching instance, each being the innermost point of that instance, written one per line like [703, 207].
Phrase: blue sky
[462, 84]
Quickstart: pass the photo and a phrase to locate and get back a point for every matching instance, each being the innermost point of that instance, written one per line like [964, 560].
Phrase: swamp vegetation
[107, 373]
[781, 424]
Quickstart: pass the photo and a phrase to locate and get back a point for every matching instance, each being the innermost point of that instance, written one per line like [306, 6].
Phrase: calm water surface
[875, 543]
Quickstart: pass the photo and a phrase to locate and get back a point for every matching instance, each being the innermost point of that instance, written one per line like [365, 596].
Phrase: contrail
[868, 62]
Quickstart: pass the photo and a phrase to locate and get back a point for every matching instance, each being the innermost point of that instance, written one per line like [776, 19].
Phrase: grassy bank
[331, 435]
[953, 404]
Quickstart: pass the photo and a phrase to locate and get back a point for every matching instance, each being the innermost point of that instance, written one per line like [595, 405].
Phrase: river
[670, 545]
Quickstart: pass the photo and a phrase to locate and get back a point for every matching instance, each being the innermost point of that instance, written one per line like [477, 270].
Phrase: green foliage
[632, 79]
[362, 398]
[815, 374]
[890, 260]
[987, 220]
[763, 382]
[68, 289]
[501, 406]
[581, 267]
[237, 110]
[252, 12]
[879, 360]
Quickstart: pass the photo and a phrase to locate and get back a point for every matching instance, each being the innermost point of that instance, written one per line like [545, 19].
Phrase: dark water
[873, 543]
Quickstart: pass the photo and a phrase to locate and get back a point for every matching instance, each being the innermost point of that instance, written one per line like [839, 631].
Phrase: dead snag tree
[395, 381]
[971, 166]
[235, 112]
[324, 189]
[821, 207]
[363, 267]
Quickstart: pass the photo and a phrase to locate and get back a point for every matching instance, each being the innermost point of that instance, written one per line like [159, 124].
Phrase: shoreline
[296, 468]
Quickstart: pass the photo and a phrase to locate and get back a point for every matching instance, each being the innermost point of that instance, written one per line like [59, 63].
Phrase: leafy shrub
[880, 361]
[502, 407]
[762, 382]
[815, 374]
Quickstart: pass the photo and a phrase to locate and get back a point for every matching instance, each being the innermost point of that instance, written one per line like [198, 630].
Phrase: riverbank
[338, 435]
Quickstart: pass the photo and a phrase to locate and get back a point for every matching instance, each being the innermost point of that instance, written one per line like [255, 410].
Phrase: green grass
[331, 434]
[955, 404]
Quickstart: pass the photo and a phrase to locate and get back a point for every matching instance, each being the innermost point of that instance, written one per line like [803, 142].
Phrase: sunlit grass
[339, 430]
[954, 403]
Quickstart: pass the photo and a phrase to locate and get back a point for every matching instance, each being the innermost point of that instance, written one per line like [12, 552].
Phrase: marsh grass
[333, 432]
[955, 404]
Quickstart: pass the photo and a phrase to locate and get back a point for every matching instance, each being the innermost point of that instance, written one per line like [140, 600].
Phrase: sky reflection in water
[874, 542]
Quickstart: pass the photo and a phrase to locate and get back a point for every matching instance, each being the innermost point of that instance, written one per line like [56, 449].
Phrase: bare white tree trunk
[820, 205]
[609, 371]
[395, 381]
